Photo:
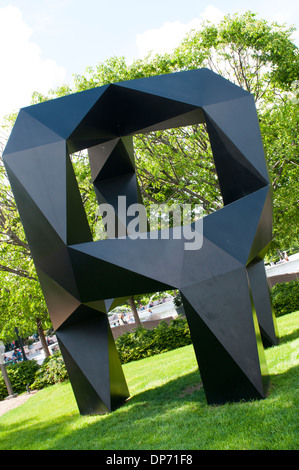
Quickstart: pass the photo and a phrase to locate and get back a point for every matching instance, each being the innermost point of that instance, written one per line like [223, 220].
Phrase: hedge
[285, 298]
[142, 342]
[20, 375]
[51, 371]
[134, 345]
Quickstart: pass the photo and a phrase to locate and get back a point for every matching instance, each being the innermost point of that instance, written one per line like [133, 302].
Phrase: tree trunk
[134, 310]
[40, 332]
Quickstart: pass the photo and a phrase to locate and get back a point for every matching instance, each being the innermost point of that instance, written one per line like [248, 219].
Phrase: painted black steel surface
[223, 284]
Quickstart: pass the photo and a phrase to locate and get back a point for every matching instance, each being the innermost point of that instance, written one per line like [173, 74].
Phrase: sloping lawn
[167, 409]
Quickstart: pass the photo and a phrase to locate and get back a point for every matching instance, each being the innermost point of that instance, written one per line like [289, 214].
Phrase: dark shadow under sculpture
[223, 284]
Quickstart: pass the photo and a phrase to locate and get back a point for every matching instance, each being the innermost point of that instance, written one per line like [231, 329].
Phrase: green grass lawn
[167, 409]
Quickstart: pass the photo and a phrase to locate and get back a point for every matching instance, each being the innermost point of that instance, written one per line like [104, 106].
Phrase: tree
[22, 305]
[134, 310]
[177, 164]
[257, 56]
[280, 129]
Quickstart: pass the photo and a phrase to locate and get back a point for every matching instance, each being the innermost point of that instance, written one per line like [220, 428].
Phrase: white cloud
[212, 14]
[24, 70]
[169, 36]
[295, 37]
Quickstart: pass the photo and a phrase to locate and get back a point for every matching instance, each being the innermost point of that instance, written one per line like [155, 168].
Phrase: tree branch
[17, 272]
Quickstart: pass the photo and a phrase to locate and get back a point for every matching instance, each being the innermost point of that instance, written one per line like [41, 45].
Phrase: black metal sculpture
[223, 284]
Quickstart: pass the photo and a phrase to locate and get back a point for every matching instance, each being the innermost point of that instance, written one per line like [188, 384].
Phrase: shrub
[131, 347]
[285, 298]
[20, 375]
[134, 345]
[52, 371]
[178, 302]
[143, 342]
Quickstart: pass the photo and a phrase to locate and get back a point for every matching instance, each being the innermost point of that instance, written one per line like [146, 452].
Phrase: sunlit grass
[167, 409]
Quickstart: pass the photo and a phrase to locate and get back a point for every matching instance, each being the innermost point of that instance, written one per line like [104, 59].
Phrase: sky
[44, 43]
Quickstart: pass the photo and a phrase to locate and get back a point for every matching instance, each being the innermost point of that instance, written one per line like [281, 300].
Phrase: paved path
[283, 271]
[11, 403]
[290, 266]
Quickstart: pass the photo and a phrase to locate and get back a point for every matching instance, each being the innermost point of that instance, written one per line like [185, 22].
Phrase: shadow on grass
[28, 434]
[168, 417]
[289, 337]
[151, 419]
[124, 428]
[165, 418]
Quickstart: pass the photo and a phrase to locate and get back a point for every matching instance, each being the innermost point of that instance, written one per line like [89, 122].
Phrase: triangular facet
[88, 346]
[28, 133]
[194, 87]
[146, 110]
[263, 232]
[99, 154]
[189, 118]
[86, 339]
[97, 305]
[78, 230]
[231, 306]
[118, 387]
[100, 279]
[40, 172]
[233, 227]
[237, 120]
[120, 161]
[153, 261]
[47, 247]
[262, 303]
[63, 115]
[88, 400]
[236, 175]
[60, 303]
[223, 379]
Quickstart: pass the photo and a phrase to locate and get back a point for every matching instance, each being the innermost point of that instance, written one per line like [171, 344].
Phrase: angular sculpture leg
[262, 303]
[92, 362]
[226, 338]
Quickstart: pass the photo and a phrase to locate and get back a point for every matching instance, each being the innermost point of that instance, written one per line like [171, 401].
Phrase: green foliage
[176, 165]
[285, 298]
[280, 129]
[52, 371]
[21, 303]
[248, 51]
[178, 302]
[20, 375]
[142, 342]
